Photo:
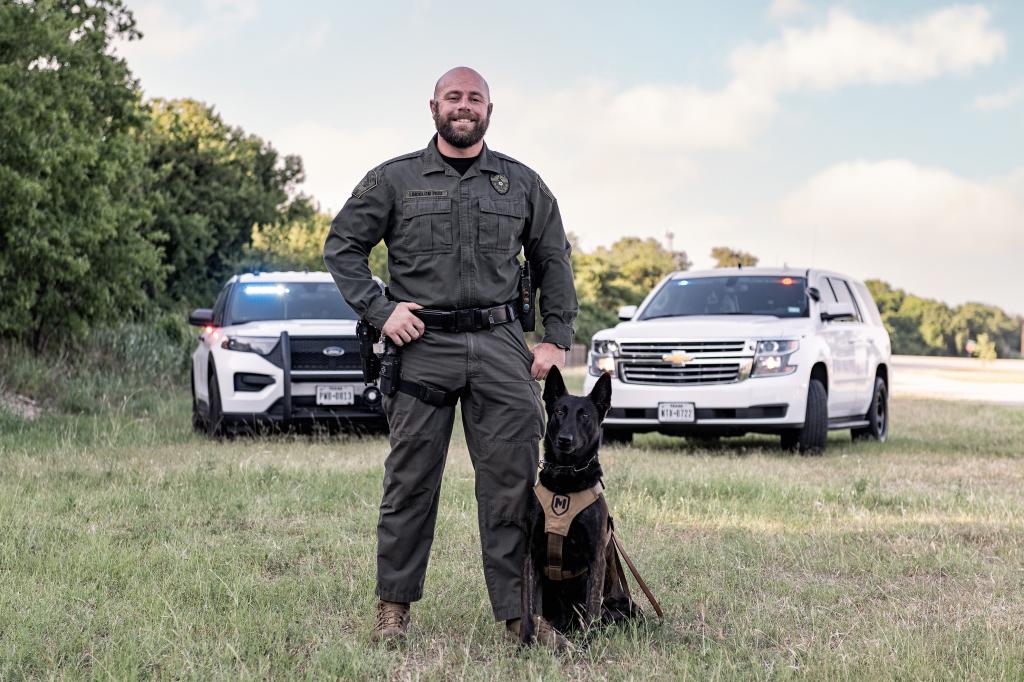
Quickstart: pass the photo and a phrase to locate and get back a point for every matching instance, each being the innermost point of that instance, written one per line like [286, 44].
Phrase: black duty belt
[467, 319]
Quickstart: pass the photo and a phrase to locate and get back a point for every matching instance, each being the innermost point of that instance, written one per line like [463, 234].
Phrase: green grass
[130, 548]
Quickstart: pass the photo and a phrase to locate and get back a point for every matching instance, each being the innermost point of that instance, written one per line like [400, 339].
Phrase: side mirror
[814, 293]
[837, 311]
[627, 312]
[200, 317]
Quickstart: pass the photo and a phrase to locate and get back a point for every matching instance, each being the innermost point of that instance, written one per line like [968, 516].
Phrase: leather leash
[636, 575]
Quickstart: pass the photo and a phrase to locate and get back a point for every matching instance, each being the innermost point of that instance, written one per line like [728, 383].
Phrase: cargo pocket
[427, 225]
[501, 224]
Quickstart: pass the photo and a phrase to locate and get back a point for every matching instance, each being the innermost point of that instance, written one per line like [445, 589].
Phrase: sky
[883, 140]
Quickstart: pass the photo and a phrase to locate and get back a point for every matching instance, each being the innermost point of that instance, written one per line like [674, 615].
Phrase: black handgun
[527, 317]
[370, 362]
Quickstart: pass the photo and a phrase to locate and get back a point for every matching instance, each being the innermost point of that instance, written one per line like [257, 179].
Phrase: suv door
[860, 384]
[202, 357]
[839, 339]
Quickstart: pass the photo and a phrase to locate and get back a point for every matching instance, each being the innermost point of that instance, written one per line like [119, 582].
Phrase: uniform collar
[433, 163]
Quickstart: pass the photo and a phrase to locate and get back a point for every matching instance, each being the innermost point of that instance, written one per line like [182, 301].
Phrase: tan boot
[392, 622]
[543, 632]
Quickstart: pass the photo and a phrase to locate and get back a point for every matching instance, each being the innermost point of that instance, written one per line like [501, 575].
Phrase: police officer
[454, 217]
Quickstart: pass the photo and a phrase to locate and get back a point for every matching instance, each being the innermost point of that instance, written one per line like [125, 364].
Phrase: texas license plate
[677, 413]
[335, 395]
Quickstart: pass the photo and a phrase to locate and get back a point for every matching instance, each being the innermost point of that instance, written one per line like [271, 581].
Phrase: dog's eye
[585, 417]
[560, 412]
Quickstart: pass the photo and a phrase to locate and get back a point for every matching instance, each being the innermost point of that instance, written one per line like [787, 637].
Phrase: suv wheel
[616, 436]
[215, 419]
[810, 440]
[877, 416]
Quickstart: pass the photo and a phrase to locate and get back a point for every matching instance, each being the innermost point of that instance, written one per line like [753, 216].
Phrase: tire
[616, 436]
[877, 416]
[198, 420]
[810, 440]
[215, 418]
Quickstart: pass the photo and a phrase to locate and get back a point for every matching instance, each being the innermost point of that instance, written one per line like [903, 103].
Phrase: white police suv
[280, 348]
[736, 350]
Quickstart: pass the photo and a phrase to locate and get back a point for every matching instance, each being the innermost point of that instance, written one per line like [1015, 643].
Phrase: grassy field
[130, 548]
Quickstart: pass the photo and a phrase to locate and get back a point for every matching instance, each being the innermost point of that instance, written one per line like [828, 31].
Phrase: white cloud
[848, 51]
[999, 100]
[783, 9]
[923, 229]
[622, 160]
[232, 10]
[166, 33]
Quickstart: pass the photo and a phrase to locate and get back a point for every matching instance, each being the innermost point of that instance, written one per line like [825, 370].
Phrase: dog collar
[566, 468]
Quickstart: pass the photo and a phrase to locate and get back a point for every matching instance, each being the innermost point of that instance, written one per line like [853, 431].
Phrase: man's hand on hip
[546, 355]
[403, 327]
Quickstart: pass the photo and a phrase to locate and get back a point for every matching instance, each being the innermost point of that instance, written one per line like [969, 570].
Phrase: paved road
[999, 381]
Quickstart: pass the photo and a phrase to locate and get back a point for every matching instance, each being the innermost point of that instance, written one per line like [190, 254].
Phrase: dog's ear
[554, 388]
[601, 395]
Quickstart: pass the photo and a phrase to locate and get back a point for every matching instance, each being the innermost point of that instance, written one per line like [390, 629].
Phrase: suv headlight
[602, 358]
[262, 345]
[774, 358]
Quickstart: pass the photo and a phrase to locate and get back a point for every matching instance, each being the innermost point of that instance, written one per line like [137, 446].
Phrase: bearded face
[461, 128]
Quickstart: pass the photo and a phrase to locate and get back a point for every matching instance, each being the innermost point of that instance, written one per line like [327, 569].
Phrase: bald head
[462, 111]
[463, 79]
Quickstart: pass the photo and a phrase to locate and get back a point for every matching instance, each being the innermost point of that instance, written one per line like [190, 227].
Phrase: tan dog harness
[559, 512]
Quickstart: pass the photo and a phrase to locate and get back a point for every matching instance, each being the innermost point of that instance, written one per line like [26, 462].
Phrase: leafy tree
[985, 348]
[886, 298]
[211, 184]
[620, 275]
[71, 171]
[297, 243]
[920, 326]
[624, 273]
[972, 320]
[726, 257]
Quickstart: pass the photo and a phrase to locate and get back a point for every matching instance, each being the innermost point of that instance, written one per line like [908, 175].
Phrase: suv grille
[307, 353]
[658, 348]
[713, 362]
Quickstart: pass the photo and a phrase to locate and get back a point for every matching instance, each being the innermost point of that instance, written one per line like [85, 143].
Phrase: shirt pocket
[427, 225]
[501, 224]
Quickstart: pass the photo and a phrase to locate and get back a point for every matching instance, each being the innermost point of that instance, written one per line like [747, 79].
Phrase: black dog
[567, 573]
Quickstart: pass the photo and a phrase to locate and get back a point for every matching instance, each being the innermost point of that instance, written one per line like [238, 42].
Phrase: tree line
[115, 207]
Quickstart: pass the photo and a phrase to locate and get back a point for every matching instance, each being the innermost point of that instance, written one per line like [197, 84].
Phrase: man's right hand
[403, 327]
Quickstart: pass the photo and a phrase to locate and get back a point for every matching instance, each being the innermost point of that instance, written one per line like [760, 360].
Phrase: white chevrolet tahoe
[280, 348]
[737, 350]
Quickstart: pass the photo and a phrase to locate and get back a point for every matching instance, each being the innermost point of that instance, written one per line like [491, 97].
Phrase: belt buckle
[465, 320]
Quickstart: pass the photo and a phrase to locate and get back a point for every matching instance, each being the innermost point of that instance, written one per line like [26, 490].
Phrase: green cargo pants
[503, 419]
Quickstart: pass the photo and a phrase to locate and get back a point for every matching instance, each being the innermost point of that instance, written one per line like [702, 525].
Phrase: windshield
[254, 301]
[732, 295]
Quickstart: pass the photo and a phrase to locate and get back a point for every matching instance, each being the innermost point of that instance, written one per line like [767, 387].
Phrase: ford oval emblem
[333, 351]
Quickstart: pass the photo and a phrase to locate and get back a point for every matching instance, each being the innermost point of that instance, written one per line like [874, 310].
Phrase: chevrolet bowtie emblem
[677, 357]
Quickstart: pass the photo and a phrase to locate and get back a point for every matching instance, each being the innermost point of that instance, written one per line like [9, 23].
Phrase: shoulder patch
[365, 185]
[544, 188]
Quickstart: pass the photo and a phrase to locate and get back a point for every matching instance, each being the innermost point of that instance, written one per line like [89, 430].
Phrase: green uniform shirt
[452, 241]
